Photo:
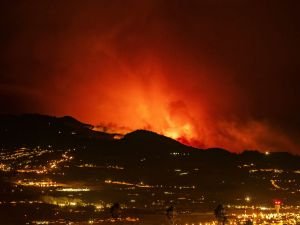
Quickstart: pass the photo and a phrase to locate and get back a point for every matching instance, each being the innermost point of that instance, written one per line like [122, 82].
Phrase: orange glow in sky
[185, 69]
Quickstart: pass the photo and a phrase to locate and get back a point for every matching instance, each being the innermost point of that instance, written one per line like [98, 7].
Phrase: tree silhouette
[170, 212]
[220, 214]
[249, 222]
[115, 210]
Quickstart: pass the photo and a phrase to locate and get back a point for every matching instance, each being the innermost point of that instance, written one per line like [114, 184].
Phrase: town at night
[80, 175]
[150, 112]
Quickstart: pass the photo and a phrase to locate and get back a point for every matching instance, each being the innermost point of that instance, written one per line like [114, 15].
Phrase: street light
[247, 199]
[277, 204]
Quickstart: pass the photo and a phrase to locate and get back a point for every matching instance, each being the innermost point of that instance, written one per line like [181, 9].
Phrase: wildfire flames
[189, 70]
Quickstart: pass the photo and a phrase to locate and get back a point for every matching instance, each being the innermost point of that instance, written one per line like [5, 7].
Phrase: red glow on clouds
[151, 100]
[195, 103]
[189, 70]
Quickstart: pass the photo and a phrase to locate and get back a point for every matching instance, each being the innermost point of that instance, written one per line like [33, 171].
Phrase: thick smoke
[209, 74]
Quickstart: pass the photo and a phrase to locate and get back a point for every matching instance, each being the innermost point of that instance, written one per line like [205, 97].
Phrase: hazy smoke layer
[208, 74]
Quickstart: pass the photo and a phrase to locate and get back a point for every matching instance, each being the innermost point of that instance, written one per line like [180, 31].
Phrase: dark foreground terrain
[61, 171]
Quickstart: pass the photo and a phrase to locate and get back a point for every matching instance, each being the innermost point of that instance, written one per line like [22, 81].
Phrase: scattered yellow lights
[26, 155]
[115, 167]
[40, 222]
[184, 173]
[63, 201]
[276, 186]
[179, 154]
[127, 219]
[73, 189]
[111, 220]
[270, 219]
[37, 171]
[140, 185]
[55, 163]
[37, 183]
[271, 170]
[20, 202]
[99, 206]
[257, 218]
[93, 221]
[87, 165]
[70, 201]
[4, 167]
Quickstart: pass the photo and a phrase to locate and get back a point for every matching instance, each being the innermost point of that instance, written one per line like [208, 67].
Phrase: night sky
[208, 73]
